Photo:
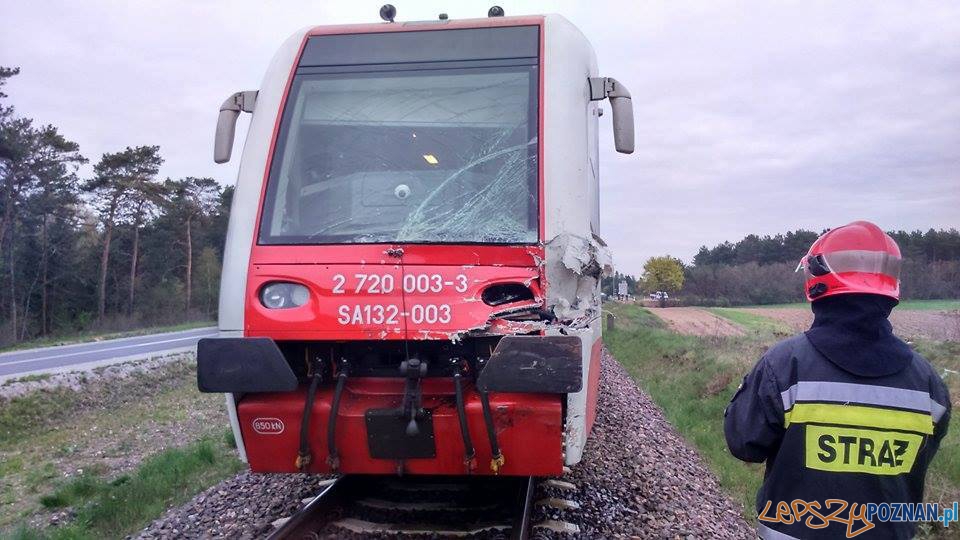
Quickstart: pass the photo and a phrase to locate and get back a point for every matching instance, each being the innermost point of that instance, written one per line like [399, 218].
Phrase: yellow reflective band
[856, 415]
[838, 449]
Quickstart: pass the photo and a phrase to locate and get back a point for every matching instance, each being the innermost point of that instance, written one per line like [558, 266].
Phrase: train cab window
[416, 156]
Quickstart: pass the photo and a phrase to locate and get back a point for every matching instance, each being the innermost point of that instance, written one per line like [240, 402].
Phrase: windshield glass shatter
[429, 156]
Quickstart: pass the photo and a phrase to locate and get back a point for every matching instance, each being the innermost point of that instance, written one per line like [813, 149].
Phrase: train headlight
[284, 295]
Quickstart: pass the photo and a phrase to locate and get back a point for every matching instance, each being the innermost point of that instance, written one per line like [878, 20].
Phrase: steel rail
[521, 523]
[311, 517]
[349, 492]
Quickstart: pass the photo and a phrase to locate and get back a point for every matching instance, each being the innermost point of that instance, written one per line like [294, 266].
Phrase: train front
[393, 297]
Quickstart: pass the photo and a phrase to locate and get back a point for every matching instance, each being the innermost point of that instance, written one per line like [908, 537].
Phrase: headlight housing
[280, 295]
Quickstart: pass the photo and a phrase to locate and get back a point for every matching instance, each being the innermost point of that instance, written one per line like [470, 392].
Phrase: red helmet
[855, 258]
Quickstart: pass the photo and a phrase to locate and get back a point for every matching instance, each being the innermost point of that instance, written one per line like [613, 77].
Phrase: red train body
[411, 278]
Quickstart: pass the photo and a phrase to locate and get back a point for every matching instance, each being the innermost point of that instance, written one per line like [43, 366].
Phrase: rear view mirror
[622, 105]
[227, 123]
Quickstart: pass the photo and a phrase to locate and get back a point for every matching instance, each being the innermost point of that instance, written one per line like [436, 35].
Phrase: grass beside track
[692, 379]
[114, 508]
[111, 455]
[943, 481]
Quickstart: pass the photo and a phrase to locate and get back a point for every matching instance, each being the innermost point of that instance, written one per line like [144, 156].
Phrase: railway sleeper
[557, 526]
[363, 527]
[361, 507]
[438, 516]
[424, 506]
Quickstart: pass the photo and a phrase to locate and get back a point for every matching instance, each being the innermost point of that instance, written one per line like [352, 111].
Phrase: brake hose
[468, 451]
[332, 458]
[496, 462]
[303, 456]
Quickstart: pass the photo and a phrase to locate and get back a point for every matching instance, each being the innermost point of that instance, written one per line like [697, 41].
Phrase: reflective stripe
[863, 394]
[858, 260]
[769, 534]
[936, 410]
[859, 416]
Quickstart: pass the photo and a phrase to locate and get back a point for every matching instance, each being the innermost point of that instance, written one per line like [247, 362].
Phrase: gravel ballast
[244, 506]
[638, 479]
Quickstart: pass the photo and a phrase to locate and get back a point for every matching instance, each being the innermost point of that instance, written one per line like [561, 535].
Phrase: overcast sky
[752, 117]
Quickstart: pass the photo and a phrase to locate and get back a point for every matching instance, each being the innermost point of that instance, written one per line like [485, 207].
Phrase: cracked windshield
[441, 156]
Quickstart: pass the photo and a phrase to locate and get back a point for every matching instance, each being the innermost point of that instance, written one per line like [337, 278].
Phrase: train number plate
[387, 436]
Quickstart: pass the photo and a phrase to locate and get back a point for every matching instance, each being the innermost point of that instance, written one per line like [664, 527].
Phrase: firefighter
[845, 410]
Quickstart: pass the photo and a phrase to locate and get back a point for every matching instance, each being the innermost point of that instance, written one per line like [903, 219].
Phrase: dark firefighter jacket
[845, 411]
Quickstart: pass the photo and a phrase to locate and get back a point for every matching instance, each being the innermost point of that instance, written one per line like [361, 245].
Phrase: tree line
[119, 249]
[930, 246]
[761, 269]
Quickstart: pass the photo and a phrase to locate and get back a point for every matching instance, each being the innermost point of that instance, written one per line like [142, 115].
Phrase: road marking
[94, 344]
[139, 345]
[79, 366]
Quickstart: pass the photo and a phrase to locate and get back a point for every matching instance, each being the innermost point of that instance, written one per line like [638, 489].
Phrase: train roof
[439, 24]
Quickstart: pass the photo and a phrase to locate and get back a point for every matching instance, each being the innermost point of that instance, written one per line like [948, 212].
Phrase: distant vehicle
[411, 280]
[659, 295]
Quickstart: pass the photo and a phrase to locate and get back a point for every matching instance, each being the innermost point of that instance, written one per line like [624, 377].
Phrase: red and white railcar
[411, 276]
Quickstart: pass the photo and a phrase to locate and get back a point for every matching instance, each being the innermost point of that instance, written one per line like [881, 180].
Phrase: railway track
[418, 507]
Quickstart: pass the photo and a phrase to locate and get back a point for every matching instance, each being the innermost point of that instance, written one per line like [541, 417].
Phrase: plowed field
[695, 321]
[939, 325]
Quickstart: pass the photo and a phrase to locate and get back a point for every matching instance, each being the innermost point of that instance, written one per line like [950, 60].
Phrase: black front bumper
[242, 365]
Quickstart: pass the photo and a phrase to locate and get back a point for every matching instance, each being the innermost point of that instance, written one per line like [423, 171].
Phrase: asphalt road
[65, 357]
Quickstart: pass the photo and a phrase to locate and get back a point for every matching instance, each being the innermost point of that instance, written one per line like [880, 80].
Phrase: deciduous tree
[663, 274]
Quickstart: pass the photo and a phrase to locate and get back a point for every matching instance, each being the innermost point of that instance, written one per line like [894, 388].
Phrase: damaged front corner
[574, 266]
[535, 257]
[576, 429]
